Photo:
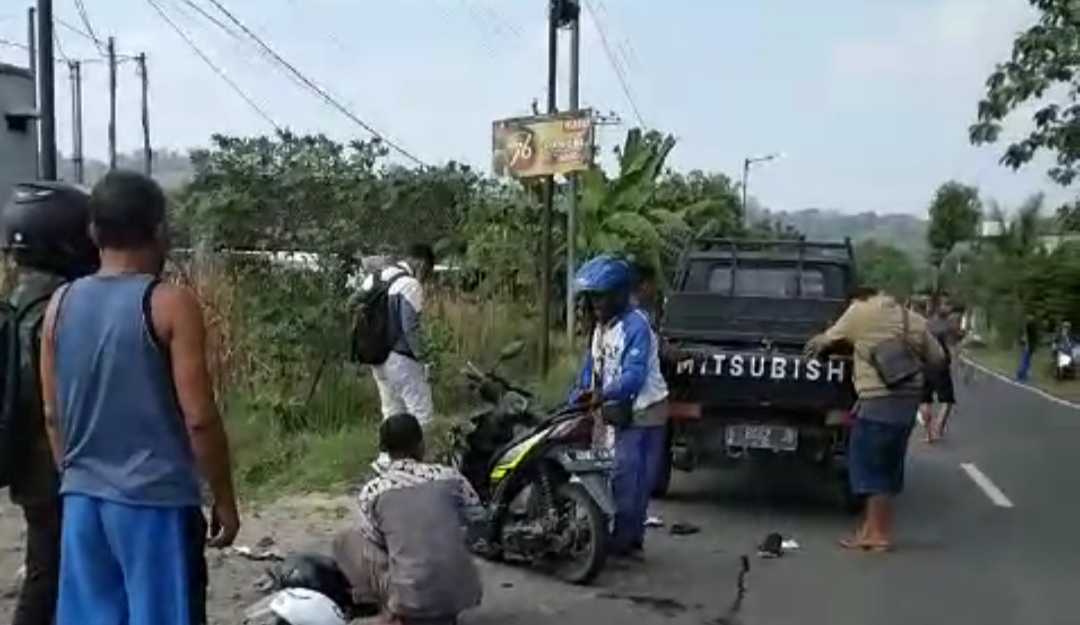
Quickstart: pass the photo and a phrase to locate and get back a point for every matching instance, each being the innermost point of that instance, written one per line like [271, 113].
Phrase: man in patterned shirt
[407, 552]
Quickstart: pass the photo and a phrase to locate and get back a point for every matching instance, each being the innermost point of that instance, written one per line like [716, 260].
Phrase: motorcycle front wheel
[586, 528]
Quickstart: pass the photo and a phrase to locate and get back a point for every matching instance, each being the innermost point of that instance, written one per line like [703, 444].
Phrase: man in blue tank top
[132, 423]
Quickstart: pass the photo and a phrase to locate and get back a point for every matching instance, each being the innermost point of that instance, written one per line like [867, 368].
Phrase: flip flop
[857, 545]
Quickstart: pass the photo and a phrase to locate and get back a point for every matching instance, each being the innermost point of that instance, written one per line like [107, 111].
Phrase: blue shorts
[876, 455]
[131, 565]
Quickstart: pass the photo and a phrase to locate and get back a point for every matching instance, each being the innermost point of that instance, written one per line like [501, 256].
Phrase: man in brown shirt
[885, 415]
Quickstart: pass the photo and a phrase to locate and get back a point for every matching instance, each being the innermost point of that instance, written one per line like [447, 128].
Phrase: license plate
[763, 437]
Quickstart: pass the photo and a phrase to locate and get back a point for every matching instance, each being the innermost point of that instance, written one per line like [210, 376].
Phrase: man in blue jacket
[622, 365]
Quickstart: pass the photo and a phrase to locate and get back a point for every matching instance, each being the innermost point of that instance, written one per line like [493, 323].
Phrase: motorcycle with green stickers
[545, 486]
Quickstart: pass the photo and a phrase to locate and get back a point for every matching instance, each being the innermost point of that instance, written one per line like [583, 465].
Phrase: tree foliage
[1011, 274]
[885, 267]
[291, 192]
[955, 213]
[1043, 71]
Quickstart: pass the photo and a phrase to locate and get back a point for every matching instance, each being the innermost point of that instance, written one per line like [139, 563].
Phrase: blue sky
[869, 99]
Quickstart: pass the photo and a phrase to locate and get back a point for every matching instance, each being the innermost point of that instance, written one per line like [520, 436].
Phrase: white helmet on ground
[300, 606]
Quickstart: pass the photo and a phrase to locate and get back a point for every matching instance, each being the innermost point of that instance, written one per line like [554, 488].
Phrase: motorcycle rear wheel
[590, 552]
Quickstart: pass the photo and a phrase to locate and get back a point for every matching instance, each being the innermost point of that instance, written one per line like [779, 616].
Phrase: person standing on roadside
[938, 386]
[44, 231]
[1029, 342]
[885, 414]
[646, 296]
[622, 366]
[132, 422]
[402, 379]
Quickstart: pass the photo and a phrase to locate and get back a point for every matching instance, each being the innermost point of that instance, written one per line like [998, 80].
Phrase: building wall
[18, 149]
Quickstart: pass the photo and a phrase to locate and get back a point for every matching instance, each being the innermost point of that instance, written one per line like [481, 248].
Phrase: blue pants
[131, 565]
[1025, 365]
[638, 454]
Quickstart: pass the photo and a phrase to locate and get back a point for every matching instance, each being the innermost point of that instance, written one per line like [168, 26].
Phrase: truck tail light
[684, 410]
[842, 418]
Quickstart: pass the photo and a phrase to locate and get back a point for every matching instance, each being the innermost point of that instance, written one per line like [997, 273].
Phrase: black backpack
[20, 332]
[371, 331]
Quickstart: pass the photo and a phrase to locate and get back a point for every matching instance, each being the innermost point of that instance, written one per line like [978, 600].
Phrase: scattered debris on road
[776, 545]
[682, 528]
[263, 555]
[772, 546]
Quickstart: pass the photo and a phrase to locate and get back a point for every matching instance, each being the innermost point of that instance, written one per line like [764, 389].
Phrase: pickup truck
[735, 323]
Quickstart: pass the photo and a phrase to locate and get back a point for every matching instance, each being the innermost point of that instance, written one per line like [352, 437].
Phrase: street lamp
[747, 162]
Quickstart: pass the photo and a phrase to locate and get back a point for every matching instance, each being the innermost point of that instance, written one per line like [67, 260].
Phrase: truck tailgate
[711, 317]
[717, 378]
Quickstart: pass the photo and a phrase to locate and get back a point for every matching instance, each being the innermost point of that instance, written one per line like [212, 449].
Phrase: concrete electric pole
[148, 154]
[46, 91]
[76, 121]
[112, 103]
[572, 205]
[549, 189]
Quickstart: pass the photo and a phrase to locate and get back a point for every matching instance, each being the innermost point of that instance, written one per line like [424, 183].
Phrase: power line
[314, 87]
[60, 48]
[203, 12]
[22, 46]
[217, 70]
[615, 65]
[14, 44]
[77, 31]
[89, 27]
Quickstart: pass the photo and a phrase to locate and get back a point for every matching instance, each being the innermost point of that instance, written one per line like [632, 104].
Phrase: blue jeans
[1025, 365]
[639, 452]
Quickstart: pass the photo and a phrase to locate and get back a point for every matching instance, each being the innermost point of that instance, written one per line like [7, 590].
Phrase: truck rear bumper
[703, 439]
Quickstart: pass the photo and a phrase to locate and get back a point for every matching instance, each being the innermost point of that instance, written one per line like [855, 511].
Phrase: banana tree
[618, 214]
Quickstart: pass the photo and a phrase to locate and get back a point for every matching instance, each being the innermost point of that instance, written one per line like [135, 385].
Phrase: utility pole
[112, 103]
[572, 206]
[554, 7]
[31, 47]
[148, 154]
[76, 120]
[47, 91]
[749, 162]
[745, 181]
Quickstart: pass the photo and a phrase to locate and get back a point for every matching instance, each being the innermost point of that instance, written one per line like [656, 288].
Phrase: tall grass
[300, 417]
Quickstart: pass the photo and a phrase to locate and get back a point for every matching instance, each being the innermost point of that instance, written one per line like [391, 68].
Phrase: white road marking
[987, 486]
[1028, 387]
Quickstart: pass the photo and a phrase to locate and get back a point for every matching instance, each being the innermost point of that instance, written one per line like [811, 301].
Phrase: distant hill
[906, 232]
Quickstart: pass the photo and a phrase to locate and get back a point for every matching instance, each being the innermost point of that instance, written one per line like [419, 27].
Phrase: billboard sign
[528, 147]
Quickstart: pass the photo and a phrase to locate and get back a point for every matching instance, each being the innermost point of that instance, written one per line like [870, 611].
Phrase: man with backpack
[43, 229]
[387, 334]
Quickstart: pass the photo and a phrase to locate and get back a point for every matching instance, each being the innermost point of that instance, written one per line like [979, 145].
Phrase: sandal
[853, 544]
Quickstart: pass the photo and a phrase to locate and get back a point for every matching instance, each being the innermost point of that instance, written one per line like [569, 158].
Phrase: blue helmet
[604, 273]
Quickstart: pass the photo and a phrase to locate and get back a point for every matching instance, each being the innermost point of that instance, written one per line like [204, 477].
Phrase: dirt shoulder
[303, 523]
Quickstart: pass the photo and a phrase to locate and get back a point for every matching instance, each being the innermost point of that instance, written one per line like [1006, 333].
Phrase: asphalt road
[961, 558]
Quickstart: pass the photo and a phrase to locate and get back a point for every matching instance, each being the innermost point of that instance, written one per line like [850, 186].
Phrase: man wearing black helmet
[43, 229]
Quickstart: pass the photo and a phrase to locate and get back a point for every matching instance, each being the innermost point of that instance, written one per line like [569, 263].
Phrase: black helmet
[45, 226]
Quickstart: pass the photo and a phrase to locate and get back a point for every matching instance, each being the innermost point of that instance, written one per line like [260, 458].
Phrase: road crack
[732, 615]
